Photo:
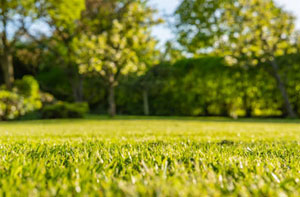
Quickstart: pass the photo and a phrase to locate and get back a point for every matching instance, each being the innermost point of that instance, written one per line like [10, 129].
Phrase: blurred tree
[19, 20]
[15, 17]
[246, 32]
[198, 24]
[120, 46]
[64, 19]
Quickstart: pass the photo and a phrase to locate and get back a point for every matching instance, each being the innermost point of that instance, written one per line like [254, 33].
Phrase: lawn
[135, 156]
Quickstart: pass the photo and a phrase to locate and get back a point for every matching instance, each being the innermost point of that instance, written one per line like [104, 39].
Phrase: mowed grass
[135, 156]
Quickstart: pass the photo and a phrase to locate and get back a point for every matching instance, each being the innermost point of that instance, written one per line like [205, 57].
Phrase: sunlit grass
[158, 157]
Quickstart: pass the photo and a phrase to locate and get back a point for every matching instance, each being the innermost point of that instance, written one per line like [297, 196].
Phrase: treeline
[100, 56]
[207, 87]
[204, 86]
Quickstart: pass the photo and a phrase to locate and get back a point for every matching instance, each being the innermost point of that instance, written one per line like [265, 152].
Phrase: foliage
[260, 36]
[250, 32]
[141, 157]
[11, 105]
[119, 49]
[64, 110]
[63, 14]
[111, 44]
[124, 47]
[192, 87]
[206, 86]
[66, 18]
[14, 17]
[198, 23]
[53, 79]
[247, 33]
[23, 98]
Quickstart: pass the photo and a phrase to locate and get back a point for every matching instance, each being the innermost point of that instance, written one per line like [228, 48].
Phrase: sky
[167, 7]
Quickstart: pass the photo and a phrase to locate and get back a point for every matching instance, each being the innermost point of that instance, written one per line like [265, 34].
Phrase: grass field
[131, 156]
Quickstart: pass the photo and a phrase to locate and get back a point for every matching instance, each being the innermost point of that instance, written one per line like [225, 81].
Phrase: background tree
[248, 33]
[15, 17]
[64, 20]
[122, 48]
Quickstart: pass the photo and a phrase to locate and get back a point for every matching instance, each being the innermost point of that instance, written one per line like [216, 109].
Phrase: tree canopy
[246, 32]
[126, 46]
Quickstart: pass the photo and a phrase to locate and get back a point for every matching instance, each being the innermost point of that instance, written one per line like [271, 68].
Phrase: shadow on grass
[92, 117]
[199, 119]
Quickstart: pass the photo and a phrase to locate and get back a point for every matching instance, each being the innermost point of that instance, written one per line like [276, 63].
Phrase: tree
[17, 17]
[64, 19]
[14, 18]
[246, 32]
[122, 47]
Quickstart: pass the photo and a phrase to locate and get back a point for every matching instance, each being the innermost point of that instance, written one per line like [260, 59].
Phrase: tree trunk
[8, 69]
[146, 102]
[6, 58]
[77, 89]
[111, 100]
[282, 88]
[80, 88]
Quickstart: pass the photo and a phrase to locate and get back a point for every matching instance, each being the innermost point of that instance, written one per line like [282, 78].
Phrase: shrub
[23, 98]
[11, 105]
[28, 88]
[65, 110]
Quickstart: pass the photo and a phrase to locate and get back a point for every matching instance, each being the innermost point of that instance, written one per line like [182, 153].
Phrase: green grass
[132, 156]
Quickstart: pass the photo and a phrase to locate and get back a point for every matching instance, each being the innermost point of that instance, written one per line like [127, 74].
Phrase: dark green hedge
[64, 110]
[207, 87]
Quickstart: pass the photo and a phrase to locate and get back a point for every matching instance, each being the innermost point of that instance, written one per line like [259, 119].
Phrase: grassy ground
[131, 156]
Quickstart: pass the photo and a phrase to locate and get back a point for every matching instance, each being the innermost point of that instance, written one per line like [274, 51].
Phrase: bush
[64, 110]
[11, 105]
[23, 98]
[28, 88]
